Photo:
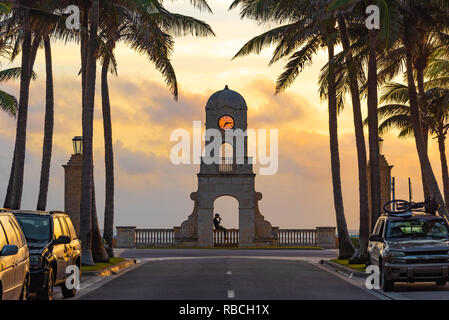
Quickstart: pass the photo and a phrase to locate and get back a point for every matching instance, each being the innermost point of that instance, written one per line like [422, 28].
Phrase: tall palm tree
[418, 16]
[141, 32]
[397, 114]
[308, 27]
[48, 128]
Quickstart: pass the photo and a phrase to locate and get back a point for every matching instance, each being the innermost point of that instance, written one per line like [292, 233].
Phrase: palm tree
[89, 76]
[8, 103]
[140, 32]
[309, 26]
[418, 16]
[48, 128]
[397, 114]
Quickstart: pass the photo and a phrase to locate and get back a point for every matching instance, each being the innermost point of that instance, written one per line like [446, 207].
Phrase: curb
[114, 269]
[347, 271]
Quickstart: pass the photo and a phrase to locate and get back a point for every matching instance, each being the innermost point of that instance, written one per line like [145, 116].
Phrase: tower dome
[226, 98]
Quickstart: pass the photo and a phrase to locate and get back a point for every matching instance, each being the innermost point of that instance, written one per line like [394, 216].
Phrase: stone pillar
[385, 184]
[126, 237]
[246, 227]
[205, 227]
[325, 237]
[72, 189]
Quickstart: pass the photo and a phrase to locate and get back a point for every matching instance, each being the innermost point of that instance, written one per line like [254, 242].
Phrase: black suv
[53, 246]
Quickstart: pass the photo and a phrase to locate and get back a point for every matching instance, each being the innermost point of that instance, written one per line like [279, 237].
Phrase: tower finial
[226, 87]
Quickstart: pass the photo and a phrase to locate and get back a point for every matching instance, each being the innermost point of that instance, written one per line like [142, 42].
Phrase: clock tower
[228, 173]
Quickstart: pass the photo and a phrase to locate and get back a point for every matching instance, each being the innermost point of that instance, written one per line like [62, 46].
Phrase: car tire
[47, 292]
[25, 289]
[385, 284]
[66, 292]
[440, 282]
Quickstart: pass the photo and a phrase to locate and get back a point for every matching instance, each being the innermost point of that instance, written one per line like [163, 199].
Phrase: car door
[23, 263]
[75, 243]
[378, 245]
[373, 248]
[59, 250]
[68, 252]
[12, 261]
[7, 270]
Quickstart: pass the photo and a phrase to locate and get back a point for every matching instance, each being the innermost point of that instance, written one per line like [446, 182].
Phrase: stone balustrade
[130, 237]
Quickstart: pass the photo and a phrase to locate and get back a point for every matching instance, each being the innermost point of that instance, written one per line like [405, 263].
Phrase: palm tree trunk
[361, 253]
[88, 113]
[48, 129]
[108, 231]
[373, 125]
[22, 116]
[425, 131]
[419, 139]
[345, 247]
[98, 251]
[444, 168]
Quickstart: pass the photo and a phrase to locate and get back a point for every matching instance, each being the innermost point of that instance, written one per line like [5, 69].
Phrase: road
[198, 274]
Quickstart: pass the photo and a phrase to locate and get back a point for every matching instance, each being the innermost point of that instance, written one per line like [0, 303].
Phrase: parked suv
[53, 246]
[410, 245]
[14, 259]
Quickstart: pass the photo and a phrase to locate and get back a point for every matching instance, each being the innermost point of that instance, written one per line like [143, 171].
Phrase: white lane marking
[231, 294]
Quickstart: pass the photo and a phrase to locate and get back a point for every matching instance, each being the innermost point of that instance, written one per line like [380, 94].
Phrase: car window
[20, 240]
[3, 241]
[36, 228]
[417, 228]
[381, 228]
[10, 232]
[376, 228]
[57, 231]
[65, 229]
[71, 228]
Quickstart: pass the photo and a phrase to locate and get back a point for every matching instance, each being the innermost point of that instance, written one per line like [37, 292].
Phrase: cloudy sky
[152, 192]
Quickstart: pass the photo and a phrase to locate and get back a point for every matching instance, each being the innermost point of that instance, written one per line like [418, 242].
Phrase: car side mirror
[62, 240]
[9, 250]
[376, 238]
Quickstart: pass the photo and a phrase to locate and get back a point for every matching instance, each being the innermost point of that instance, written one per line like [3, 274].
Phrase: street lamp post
[72, 184]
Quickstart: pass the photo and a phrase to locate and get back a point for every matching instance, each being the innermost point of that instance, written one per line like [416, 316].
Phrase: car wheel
[24, 294]
[440, 282]
[66, 292]
[385, 284]
[47, 293]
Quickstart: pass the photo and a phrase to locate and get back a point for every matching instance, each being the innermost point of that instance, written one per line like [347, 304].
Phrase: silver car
[14, 259]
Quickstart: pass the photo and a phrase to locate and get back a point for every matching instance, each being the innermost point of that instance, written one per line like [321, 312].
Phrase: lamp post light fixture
[77, 145]
[381, 145]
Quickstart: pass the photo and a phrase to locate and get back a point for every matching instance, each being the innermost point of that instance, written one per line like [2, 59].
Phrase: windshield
[417, 228]
[36, 229]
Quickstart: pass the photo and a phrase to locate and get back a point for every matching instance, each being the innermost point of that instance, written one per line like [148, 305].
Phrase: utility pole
[409, 189]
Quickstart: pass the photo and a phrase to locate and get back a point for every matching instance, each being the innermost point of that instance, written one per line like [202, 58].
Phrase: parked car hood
[420, 244]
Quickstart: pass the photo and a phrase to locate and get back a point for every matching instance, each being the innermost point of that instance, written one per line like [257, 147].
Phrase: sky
[151, 192]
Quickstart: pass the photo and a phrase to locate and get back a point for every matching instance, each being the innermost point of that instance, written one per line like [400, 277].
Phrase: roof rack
[403, 208]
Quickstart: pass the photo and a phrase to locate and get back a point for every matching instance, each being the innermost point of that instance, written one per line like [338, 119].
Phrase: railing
[155, 237]
[289, 237]
[226, 165]
[232, 239]
[130, 237]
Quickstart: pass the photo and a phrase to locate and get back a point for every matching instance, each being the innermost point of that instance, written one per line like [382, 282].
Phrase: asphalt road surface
[217, 278]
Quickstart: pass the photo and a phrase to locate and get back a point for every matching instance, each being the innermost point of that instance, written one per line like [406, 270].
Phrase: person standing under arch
[217, 226]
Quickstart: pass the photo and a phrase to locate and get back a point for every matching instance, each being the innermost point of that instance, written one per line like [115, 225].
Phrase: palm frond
[8, 103]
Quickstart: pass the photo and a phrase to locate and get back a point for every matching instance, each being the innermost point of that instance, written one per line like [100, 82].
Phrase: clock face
[226, 123]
